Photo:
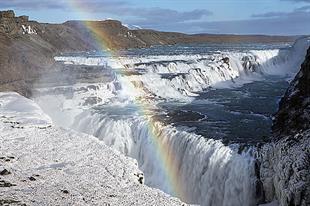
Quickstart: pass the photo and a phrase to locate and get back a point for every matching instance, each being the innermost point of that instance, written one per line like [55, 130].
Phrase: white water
[191, 74]
[212, 174]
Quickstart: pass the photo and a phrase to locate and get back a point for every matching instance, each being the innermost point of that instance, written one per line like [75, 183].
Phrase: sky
[272, 17]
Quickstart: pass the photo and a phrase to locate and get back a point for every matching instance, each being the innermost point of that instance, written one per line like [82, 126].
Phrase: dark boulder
[5, 172]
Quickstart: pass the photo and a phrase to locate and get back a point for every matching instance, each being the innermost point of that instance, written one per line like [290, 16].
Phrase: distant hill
[118, 36]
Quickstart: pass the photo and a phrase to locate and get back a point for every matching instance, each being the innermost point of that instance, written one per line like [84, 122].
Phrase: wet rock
[225, 60]
[140, 177]
[65, 191]
[5, 172]
[3, 183]
[259, 192]
[32, 178]
[9, 202]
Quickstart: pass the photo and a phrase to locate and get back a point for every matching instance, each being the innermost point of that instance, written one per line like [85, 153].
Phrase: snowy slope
[55, 166]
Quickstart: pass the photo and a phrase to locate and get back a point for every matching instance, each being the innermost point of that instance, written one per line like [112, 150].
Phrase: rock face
[285, 162]
[294, 112]
[7, 14]
[28, 48]
[10, 24]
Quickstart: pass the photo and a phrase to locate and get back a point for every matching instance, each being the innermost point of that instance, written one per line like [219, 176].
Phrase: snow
[22, 112]
[63, 112]
[28, 30]
[57, 166]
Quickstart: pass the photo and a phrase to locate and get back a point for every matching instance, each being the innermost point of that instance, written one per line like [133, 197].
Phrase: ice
[28, 30]
[22, 112]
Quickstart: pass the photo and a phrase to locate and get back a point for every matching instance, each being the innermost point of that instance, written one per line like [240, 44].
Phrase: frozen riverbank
[41, 164]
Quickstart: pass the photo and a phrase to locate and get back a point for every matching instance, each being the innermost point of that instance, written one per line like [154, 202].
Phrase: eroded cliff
[285, 162]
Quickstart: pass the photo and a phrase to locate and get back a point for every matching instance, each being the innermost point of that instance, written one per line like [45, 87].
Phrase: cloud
[92, 5]
[151, 16]
[303, 9]
[31, 4]
[269, 14]
[115, 7]
[295, 22]
[302, 12]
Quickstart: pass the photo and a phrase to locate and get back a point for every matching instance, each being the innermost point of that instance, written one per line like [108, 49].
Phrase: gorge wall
[285, 162]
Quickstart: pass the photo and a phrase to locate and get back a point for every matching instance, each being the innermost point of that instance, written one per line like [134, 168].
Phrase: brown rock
[7, 14]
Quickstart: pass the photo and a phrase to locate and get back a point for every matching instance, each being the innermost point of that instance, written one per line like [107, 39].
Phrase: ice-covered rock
[285, 166]
[285, 162]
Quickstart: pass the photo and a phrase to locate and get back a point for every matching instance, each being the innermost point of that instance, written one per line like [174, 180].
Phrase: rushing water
[205, 102]
[235, 115]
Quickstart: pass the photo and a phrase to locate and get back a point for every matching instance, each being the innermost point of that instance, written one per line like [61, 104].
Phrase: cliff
[28, 48]
[285, 162]
[294, 109]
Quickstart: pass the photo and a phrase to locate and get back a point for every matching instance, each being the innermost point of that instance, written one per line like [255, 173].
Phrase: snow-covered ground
[42, 164]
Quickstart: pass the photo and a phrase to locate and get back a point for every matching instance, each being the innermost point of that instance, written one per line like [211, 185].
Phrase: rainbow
[167, 158]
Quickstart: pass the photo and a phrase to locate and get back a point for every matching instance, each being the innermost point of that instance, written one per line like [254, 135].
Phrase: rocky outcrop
[9, 23]
[7, 14]
[28, 48]
[285, 162]
[294, 112]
